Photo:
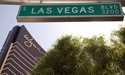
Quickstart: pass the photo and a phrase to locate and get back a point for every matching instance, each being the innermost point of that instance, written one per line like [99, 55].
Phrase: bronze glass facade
[20, 53]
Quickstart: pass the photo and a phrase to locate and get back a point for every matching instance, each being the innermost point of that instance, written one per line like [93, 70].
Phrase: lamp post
[41, 1]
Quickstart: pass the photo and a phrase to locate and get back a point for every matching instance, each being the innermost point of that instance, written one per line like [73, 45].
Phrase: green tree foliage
[120, 34]
[61, 60]
[84, 56]
[93, 57]
[118, 48]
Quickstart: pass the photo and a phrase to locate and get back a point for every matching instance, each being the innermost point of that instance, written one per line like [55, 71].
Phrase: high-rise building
[19, 53]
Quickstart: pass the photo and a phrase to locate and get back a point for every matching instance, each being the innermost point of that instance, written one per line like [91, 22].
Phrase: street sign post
[70, 12]
[20, 2]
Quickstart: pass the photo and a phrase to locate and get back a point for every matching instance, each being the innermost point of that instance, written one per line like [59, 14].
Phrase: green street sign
[70, 12]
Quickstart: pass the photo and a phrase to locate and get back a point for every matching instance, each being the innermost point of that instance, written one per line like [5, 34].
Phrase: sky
[47, 33]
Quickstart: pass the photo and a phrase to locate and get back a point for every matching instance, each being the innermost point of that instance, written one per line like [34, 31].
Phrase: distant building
[19, 53]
